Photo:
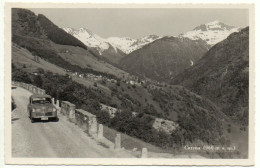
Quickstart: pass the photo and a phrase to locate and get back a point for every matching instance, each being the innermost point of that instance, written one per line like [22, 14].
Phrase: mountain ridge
[226, 81]
[125, 44]
[212, 32]
[164, 58]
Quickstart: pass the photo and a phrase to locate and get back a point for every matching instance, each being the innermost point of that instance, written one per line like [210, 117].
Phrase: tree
[118, 83]
[38, 81]
[103, 117]
[20, 76]
[40, 70]
[103, 82]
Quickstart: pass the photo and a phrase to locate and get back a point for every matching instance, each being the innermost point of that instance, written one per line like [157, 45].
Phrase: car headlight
[54, 109]
[33, 110]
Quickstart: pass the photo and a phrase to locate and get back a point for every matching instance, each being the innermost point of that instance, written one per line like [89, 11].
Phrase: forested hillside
[26, 23]
[222, 76]
[164, 58]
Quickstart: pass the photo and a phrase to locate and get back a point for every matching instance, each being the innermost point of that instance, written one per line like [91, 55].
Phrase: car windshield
[41, 100]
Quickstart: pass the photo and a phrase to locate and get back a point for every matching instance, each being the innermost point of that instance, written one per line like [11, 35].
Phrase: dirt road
[52, 139]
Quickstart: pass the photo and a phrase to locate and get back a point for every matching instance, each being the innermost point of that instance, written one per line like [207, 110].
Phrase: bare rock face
[166, 126]
[110, 110]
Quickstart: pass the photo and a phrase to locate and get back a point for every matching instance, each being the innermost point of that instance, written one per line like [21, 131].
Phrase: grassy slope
[22, 56]
[79, 56]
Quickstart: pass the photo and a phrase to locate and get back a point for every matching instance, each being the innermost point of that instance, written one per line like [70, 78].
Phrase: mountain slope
[222, 75]
[211, 33]
[164, 58]
[44, 39]
[26, 23]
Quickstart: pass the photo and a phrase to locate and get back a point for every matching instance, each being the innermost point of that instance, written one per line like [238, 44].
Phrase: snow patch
[214, 33]
[128, 45]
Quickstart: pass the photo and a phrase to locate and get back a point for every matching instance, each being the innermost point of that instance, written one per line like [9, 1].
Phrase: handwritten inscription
[210, 148]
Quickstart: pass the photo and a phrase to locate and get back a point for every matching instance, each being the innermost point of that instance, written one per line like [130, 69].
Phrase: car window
[41, 100]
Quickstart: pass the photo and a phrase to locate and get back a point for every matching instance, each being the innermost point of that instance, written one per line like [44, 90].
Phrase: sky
[137, 22]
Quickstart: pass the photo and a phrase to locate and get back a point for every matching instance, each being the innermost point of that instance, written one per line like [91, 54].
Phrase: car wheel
[32, 120]
[56, 119]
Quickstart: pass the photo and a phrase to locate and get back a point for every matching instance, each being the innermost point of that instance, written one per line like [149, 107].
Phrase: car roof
[40, 96]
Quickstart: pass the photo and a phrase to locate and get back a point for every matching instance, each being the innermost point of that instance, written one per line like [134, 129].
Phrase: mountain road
[52, 138]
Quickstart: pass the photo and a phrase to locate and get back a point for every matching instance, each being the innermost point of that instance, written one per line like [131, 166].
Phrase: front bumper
[44, 114]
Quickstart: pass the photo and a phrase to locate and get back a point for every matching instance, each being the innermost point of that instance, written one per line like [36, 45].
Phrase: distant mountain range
[211, 33]
[125, 44]
[168, 56]
[114, 48]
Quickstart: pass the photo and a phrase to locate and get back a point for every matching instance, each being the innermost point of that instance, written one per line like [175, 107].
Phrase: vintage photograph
[166, 83]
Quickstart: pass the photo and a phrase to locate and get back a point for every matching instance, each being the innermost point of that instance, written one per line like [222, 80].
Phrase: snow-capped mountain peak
[125, 44]
[128, 45]
[212, 32]
[213, 24]
[88, 38]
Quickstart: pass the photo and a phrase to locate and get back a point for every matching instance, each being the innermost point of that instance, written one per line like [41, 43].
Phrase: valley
[167, 91]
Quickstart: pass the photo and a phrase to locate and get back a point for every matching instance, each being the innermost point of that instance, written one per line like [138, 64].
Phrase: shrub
[19, 75]
[13, 104]
[118, 83]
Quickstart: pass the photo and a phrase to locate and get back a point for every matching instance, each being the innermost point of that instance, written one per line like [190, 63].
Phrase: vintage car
[41, 107]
